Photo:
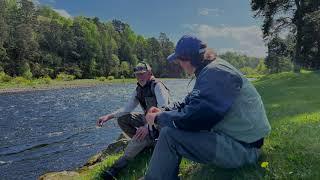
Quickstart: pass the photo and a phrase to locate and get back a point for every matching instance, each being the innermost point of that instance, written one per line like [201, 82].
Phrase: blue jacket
[214, 92]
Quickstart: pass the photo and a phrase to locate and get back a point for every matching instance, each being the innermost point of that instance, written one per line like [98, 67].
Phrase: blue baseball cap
[188, 46]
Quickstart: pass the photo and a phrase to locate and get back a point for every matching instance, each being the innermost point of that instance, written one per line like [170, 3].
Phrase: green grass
[40, 84]
[292, 150]
[135, 169]
[255, 76]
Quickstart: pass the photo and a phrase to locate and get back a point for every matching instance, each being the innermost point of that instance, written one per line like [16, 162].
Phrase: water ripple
[54, 130]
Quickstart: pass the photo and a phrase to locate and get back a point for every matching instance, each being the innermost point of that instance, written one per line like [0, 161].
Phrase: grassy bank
[20, 84]
[38, 84]
[292, 151]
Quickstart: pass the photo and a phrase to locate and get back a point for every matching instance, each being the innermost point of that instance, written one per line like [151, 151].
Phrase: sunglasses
[138, 69]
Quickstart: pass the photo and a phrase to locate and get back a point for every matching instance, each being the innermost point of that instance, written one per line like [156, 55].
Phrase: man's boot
[113, 171]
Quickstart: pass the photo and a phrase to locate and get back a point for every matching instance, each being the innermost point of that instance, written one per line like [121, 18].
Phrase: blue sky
[226, 25]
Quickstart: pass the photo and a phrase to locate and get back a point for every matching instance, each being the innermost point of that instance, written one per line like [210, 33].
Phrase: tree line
[37, 41]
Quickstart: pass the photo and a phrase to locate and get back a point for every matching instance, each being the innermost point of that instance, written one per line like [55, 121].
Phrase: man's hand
[154, 110]
[141, 133]
[150, 118]
[104, 119]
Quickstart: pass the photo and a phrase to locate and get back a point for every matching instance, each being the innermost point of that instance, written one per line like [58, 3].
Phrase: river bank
[290, 152]
[37, 85]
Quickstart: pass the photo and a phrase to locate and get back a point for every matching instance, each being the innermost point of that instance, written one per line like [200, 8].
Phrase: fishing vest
[246, 120]
[146, 95]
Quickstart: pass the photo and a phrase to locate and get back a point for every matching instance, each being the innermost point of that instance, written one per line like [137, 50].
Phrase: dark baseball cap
[188, 46]
[141, 67]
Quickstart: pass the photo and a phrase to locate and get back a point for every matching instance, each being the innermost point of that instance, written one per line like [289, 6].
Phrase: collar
[201, 66]
[148, 82]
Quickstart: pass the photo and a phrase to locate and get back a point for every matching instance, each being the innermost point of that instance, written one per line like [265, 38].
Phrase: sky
[225, 25]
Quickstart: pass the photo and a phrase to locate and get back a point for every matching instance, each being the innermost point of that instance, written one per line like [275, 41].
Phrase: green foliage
[74, 70]
[278, 59]
[299, 17]
[83, 47]
[240, 61]
[110, 78]
[279, 64]
[124, 69]
[27, 74]
[25, 71]
[101, 78]
[65, 77]
[4, 78]
[21, 80]
[247, 65]
[261, 67]
[247, 71]
[45, 80]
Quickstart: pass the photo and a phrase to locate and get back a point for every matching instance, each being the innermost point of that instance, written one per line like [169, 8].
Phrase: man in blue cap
[221, 122]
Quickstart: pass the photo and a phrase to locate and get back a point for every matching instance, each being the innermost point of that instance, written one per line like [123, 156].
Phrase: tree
[277, 17]
[3, 34]
[248, 71]
[118, 25]
[154, 55]
[311, 40]
[261, 67]
[39, 42]
[239, 60]
[22, 46]
[278, 56]
[292, 15]
[166, 48]
[115, 62]
[141, 48]
[125, 69]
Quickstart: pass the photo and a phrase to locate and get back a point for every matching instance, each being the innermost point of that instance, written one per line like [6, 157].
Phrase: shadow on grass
[135, 169]
[208, 172]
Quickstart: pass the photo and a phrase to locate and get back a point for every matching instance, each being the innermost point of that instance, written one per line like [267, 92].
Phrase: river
[54, 130]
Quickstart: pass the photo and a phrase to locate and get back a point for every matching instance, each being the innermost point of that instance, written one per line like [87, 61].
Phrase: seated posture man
[149, 92]
[222, 121]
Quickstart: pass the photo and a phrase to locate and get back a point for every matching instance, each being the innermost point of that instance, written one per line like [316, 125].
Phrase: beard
[142, 82]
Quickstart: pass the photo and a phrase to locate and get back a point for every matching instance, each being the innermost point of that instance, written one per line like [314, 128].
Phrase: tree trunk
[297, 59]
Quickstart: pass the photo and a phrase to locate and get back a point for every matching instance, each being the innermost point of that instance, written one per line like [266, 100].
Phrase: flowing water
[55, 130]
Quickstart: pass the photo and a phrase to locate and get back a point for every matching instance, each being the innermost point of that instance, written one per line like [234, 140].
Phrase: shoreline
[54, 85]
[79, 83]
[32, 89]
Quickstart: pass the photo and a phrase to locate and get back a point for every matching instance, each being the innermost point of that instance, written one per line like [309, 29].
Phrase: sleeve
[162, 95]
[213, 95]
[129, 107]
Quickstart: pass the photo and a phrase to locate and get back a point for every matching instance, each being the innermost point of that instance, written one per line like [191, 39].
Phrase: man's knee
[124, 119]
[166, 132]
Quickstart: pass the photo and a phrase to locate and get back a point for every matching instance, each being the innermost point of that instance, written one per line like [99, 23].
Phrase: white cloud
[36, 2]
[207, 11]
[248, 39]
[224, 50]
[63, 13]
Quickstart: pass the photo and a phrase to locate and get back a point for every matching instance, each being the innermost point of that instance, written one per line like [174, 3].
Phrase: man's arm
[211, 98]
[162, 95]
[129, 107]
